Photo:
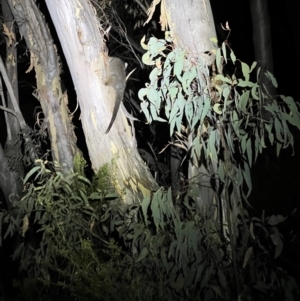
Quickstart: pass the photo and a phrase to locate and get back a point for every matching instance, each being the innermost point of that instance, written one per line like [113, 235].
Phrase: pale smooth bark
[82, 41]
[192, 26]
[191, 23]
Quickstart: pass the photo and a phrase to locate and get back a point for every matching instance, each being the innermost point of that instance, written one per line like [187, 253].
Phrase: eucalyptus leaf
[254, 64]
[249, 151]
[30, 173]
[244, 100]
[233, 57]
[204, 111]
[178, 66]
[277, 241]
[222, 78]
[276, 219]
[246, 71]
[272, 78]
[144, 107]
[247, 256]
[219, 59]
[245, 83]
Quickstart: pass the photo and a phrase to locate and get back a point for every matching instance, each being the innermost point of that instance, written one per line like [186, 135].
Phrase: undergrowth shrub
[79, 243]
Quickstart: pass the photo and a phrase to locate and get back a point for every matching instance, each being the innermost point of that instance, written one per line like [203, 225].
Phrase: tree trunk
[196, 19]
[193, 25]
[86, 54]
[262, 41]
[44, 60]
[10, 182]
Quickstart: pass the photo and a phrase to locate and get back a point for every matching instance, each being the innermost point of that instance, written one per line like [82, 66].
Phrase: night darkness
[276, 181]
[281, 173]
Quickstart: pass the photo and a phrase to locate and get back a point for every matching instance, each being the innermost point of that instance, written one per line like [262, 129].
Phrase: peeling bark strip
[44, 60]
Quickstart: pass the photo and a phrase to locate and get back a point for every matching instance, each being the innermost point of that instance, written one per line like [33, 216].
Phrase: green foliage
[223, 113]
[57, 221]
[223, 116]
[79, 164]
[190, 254]
[79, 240]
[103, 180]
[32, 148]
[71, 247]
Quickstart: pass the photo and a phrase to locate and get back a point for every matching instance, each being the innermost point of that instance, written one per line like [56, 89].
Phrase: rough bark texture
[45, 62]
[11, 66]
[85, 51]
[10, 178]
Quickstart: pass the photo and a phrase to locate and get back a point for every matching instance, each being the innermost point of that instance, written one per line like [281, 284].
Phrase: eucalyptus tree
[218, 118]
[84, 49]
[262, 41]
[11, 169]
[215, 118]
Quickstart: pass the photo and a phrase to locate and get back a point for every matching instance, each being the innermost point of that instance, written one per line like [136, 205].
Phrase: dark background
[276, 181]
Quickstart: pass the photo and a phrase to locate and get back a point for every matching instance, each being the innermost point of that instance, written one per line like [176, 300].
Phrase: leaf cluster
[56, 218]
[135, 252]
[78, 237]
[222, 115]
[190, 254]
